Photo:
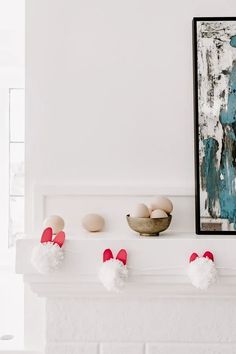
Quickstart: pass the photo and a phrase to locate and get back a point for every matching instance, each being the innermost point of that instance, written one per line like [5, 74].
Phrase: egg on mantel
[93, 222]
[162, 203]
[56, 222]
[141, 211]
[158, 213]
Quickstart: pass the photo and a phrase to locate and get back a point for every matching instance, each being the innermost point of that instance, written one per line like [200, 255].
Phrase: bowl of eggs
[150, 221]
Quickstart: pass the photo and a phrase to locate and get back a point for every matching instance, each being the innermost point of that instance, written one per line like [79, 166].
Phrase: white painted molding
[42, 192]
[111, 188]
[4, 351]
[136, 287]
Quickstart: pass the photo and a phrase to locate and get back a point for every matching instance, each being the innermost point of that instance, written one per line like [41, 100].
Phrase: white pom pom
[47, 257]
[202, 272]
[113, 274]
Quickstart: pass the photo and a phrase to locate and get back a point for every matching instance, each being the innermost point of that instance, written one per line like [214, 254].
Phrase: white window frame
[12, 75]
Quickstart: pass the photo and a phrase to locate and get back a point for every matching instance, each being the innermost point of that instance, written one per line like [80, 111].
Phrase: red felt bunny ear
[107, 255]
[47, 235]
[209, 255]
[59, 238]
[193, 257]
[122, 256]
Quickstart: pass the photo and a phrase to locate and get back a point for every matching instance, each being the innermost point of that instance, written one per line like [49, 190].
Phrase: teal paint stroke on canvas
[210, 174]
[227, 190]
[233, 41]
[220, 183]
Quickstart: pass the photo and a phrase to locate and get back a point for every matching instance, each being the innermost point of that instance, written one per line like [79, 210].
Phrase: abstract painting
[214, 49]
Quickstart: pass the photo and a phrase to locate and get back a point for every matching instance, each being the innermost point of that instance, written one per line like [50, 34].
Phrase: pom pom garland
[48, 255]
[113, 275]
[202, 270]
[113, 272]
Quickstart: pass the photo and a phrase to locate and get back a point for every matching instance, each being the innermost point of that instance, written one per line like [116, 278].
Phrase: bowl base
[143, 234]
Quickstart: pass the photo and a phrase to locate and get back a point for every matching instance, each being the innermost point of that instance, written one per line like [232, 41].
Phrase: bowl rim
[148, 218]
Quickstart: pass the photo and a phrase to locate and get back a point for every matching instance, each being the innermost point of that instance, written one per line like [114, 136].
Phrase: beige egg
[158, 213]
[162, 203]
[55, 222]
[141, 211]
[93, 222]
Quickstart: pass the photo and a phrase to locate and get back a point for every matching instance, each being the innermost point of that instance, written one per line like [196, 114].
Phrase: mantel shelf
[157, 266]
[131, 235]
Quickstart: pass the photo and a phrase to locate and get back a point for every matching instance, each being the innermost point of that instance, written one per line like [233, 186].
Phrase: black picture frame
[200, 230]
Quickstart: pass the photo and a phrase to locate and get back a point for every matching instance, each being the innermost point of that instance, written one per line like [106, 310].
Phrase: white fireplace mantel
[78, 315]
[157, 266]
[81, 316]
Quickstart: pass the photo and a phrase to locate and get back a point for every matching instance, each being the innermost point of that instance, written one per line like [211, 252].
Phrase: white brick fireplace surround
[159, 311]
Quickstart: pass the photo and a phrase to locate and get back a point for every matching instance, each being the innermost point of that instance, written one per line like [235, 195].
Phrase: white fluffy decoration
[202, 272]
[113, 274]
[47, 257]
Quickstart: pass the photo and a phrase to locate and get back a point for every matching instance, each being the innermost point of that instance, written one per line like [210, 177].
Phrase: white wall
[109, 90]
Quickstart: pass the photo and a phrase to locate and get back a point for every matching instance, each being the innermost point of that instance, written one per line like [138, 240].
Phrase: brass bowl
[149, 226]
